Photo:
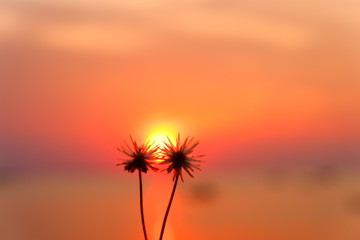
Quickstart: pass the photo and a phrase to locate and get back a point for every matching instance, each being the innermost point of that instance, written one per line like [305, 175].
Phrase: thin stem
[141, 206]
[168, 207]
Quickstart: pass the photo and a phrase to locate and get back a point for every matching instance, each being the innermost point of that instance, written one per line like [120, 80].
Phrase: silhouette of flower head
[178, 156]
[140, 156]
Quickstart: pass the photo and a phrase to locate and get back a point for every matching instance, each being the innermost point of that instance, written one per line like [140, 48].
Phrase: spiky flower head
[140, 157]
[179, 157]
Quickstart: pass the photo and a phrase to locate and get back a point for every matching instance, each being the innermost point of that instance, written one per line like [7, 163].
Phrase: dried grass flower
[141, 157]
[179, 157]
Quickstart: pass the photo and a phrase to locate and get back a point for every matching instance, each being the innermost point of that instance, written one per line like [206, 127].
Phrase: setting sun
[160, 133]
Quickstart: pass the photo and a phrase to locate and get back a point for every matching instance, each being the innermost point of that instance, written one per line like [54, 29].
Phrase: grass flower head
[140, 156]
[179, 157]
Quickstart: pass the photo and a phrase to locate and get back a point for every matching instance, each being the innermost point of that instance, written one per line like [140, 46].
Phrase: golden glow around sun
[158, 139]
[160, 133]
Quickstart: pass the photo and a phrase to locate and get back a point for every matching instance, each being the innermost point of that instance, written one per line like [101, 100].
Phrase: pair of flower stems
[176, 155]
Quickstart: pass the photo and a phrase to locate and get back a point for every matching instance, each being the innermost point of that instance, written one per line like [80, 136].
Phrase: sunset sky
[266, 86]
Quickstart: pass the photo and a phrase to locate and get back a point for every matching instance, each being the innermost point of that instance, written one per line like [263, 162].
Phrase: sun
[158, 134]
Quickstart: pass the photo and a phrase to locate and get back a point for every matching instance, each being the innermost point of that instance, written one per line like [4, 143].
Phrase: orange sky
[79, 76]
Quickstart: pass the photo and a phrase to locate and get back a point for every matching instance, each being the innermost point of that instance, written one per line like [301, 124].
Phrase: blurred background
[271, 88]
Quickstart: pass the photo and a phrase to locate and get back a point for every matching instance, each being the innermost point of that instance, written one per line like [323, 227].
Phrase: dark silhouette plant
[140, 158]
[178, 157]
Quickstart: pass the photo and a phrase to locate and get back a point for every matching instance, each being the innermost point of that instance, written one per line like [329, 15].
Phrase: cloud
[94, 37]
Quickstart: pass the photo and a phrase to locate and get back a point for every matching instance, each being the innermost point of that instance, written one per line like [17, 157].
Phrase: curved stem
[141, 206]
[168, 207]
